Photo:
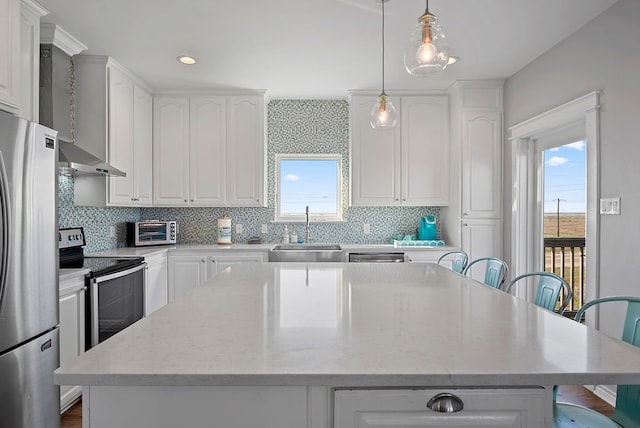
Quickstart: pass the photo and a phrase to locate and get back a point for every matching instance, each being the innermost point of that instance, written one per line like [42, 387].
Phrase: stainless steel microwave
[141, 233]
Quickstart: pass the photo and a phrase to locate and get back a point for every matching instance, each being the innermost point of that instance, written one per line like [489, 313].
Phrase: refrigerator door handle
[4, 228]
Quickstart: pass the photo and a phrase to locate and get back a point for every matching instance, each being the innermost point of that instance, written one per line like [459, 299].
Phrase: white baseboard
[604, 392]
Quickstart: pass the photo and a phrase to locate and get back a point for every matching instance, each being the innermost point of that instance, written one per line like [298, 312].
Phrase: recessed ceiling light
[453, 60]
[186, 59]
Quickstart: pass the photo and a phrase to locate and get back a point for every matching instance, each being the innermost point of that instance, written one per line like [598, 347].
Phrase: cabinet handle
[186, 200]
[191, 200]
[445, 403]
[202, 260]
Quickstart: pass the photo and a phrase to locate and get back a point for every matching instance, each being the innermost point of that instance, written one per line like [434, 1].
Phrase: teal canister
[427, 228]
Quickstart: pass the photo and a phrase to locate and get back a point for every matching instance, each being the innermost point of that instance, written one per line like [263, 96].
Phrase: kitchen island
[341, 345]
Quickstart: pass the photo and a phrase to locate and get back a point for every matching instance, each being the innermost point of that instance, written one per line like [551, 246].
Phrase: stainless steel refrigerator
[29, 349]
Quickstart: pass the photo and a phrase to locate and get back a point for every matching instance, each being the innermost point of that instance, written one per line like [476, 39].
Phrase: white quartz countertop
[152, 250]
[65, 274]
[354, 325]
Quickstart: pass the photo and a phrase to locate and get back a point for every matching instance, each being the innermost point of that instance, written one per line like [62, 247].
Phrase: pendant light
[427, 51]
[383, 114]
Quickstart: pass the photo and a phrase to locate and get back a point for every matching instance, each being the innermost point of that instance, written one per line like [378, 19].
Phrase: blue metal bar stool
[627, 410]
[549, 289]
[495, 271]
[457, 260]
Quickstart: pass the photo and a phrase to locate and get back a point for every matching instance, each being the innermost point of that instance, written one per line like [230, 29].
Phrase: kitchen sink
[307, 253]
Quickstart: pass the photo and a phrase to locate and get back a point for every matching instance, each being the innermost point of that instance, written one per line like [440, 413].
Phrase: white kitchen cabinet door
[185, 273]
[171, 151]
[156, 292]
[246, 152]
[30, 13]
[10, 55]
[425, 150]
[482, 238]
[504, 408]
[120, 136]
[207, 150]
[72, 327]
[218, 263]
[142, 171]
[375, 157]
[481, 164]
[425, 256]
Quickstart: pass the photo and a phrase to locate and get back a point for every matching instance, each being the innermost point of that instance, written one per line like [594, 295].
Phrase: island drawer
[364, 408]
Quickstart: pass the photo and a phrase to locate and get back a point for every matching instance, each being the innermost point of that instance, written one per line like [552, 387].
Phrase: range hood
[72, 160]
[56, 99]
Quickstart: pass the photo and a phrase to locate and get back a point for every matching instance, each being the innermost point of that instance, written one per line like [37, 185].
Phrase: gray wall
[604, 55]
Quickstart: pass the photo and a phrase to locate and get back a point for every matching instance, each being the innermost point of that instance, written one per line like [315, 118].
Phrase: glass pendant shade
[383, 114]
[427, 51]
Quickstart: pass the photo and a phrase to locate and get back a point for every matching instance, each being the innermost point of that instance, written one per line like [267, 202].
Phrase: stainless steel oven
[115, 296]
[115, 287]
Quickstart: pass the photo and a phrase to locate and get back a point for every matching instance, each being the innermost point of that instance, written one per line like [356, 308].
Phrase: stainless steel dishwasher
[376, 257]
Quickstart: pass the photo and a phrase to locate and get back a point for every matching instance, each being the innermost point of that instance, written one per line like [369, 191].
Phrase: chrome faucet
[306, 226]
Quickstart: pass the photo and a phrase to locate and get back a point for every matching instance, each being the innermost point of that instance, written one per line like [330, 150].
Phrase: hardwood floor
[580, 395]
[72, 418]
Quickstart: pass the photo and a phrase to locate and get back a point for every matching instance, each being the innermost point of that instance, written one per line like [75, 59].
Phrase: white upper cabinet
[114, 122]
[170, 151]
[425, 150]
[481, 164]
[130, 140]
[407, 164]
[375, 157]
[30, 13]
[246, 152]
[209, 150]
[10, 55]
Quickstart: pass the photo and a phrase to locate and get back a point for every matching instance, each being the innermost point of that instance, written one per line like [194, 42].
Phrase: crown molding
[53, 34]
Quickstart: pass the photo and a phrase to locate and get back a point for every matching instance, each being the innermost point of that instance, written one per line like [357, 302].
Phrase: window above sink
[313, 180]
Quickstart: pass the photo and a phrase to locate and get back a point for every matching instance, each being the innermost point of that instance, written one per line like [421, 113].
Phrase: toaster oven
[153, 232]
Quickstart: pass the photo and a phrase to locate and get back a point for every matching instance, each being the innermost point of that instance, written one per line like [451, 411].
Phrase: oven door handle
[120, 273]
[93, 293]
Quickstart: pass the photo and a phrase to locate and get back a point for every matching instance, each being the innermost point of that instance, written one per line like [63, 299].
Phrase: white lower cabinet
[72, 323]
[185, 272]
[156, 292]
[426, 256]
[219, 262]
[394, 408]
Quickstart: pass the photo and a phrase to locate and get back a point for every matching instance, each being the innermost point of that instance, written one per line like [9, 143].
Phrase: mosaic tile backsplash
[293, 126]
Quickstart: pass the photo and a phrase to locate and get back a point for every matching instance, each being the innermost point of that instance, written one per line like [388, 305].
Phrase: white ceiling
[303, 49]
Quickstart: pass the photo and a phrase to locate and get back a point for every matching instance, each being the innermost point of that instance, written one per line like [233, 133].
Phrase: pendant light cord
[383, 1]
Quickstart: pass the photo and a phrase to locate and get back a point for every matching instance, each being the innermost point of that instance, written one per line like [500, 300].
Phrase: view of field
[570, 225]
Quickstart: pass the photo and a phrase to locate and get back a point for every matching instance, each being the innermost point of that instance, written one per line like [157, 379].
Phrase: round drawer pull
[445, 403]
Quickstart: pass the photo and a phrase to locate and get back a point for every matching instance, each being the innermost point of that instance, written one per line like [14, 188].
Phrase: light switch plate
[239, 229]
[366, 228]
[610, 206]
[265, 228]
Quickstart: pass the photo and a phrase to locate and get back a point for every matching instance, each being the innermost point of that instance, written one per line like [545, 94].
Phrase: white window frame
[313, 217]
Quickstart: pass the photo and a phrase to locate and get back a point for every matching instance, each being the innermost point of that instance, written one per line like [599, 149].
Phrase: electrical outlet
[366, 228]
[239, 229]
[112, 231]
[265, 228]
